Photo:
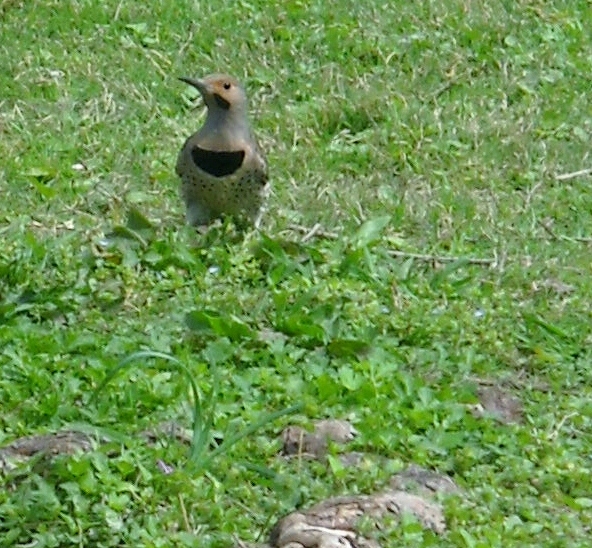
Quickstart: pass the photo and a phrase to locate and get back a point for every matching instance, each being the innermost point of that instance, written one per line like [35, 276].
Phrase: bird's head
[221, 93]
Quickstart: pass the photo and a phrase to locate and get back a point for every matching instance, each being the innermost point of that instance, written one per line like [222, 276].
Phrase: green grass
[452, 119]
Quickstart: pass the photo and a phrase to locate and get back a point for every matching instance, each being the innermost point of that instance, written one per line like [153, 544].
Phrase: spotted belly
[239, 195]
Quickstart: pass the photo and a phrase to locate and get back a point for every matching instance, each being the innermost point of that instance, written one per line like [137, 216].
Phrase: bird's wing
[260, 163]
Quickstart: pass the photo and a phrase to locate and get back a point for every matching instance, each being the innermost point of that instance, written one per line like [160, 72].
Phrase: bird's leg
[198, 214]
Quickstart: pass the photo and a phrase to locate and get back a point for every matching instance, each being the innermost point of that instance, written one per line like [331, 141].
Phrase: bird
[222, 168]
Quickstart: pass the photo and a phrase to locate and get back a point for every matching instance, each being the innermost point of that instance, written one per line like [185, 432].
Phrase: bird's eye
[227, 85]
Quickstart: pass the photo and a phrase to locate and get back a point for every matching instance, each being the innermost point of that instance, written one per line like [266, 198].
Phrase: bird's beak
[198, 84]
[207, 92]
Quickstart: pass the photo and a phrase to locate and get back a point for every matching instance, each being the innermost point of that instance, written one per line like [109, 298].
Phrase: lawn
[429, 233]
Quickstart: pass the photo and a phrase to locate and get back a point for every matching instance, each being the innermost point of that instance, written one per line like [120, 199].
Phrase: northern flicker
[222, 168]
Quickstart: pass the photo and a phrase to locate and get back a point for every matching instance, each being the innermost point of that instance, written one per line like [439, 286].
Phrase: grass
[436, 128]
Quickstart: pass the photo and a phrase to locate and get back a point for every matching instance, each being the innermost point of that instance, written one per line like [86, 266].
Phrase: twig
[189, 40]
[530, 193]
[184, 512]
[311, 232]
[443, 89]
[316, 230]
[553, 435]
[148, 53]
[247, 510]
[573, 174]
[547, 227]
[239, 542]
[117, 10]
[440, 258]
[555, 236]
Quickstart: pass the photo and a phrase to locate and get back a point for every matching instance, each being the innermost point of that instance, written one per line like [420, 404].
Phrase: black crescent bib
[218, 163]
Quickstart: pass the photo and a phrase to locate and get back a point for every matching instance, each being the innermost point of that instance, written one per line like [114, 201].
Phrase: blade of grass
[201, 426]
[266, 419]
